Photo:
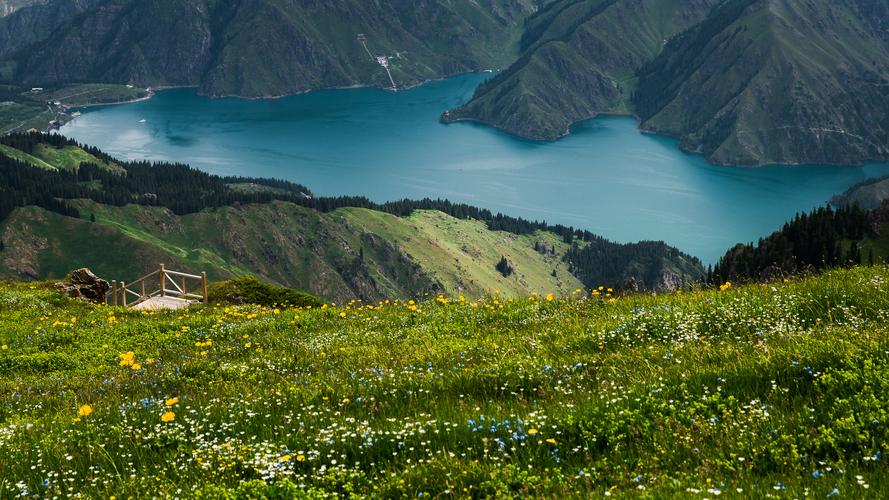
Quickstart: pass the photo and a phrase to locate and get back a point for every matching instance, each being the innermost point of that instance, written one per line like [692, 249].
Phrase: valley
[606, 177]
[274, 249]
[740, 82]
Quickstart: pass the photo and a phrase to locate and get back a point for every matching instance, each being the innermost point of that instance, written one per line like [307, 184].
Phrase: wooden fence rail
[164, 285]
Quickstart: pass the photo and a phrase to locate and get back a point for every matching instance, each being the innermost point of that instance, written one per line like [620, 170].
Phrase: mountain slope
[7, 7]
[256, 48]
[579, 60]
[820, 240]
[341, 255]
[776, 81]
[748, 82]
[36, 23]
[868, 195]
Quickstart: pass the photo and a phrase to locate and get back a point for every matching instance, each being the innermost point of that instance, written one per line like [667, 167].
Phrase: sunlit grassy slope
[291, 245]
[771, 390]
[23, 157]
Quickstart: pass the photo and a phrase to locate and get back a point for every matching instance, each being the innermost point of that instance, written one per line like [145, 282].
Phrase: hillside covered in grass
[768, 390]
[348, 253]
[64, 206]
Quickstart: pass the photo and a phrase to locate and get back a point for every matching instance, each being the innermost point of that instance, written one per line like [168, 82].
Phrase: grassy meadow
[777, 390]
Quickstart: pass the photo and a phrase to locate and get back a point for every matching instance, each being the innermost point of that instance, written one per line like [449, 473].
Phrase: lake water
[606, 177]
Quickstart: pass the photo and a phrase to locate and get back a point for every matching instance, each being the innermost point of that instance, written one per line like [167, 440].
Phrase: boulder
[84, 285]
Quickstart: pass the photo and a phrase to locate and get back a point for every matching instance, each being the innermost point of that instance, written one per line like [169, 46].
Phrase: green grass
[877, 246]
[462, 254]
[251, 290]
[94, 93]
[25, 157]
[70, 158]
[769, 390]
[20, 116]
[289, 245]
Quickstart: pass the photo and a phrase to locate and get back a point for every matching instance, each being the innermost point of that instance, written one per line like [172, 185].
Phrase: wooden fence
[160, 283]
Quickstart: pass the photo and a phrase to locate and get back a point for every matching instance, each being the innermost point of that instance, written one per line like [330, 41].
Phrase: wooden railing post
[143, 288]
[114, 292]
[123, 292]
[204, 287]
[163, 274]
[184, 289]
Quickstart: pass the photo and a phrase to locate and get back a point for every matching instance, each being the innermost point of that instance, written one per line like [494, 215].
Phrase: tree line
[822, 239]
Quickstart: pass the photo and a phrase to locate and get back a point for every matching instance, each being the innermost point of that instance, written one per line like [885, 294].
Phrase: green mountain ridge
[343, 255]
[750, 82]
[869, 195]
[264, 48]
[775, 81]
[579, 61]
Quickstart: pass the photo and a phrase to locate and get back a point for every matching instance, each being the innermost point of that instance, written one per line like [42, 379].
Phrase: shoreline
[116, 103]
[446, 120]
[155, 90]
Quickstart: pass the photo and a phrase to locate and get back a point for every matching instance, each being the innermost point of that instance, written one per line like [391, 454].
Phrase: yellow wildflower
[168, 417]
[171, 401]
[551, 441]
[128, 359]
[532, 432]
[85, 411]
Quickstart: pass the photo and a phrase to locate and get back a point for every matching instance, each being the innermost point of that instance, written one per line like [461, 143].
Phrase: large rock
[84, 285]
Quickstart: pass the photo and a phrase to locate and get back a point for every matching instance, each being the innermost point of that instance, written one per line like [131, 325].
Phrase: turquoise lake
[606, 177]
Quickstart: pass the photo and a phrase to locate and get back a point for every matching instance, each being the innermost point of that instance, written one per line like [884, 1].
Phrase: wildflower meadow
[777, 390]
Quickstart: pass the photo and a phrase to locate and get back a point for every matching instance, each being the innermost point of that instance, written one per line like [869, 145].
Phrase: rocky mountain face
[748, 82]
[259, 48]
[776, 81]
[26, 26]
[579, 60]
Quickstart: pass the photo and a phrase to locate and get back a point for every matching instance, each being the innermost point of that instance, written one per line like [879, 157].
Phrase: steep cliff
[776, 81]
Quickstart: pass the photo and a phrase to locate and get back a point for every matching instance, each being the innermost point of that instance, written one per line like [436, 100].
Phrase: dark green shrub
[251, 290]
